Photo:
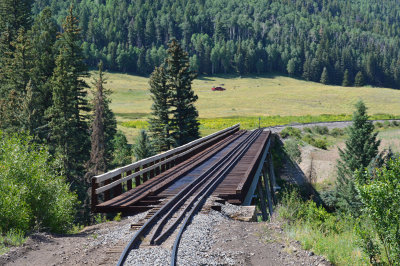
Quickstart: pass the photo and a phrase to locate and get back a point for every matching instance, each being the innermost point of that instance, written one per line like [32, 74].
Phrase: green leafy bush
[316, 142]
[291, 132]
[32, 193]
[307, 130]
[395, 123]
[292, 148]
[336, 132]
[321, 130]
[386, 124]
[380, 196]
[378, 125]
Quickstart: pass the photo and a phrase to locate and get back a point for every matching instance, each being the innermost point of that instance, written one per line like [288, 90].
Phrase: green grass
[338, 248]
[11, 238]
[277, 99]
[324, 233]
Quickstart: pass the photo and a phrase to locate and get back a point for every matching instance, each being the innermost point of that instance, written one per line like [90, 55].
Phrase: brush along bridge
[145, 184]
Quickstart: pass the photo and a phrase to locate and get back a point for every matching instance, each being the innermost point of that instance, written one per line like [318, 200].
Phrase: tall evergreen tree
[122, 151]
[97, 163]
[142, 148]
[69, 134]
[361, 148]
[324, 76]
[160, 121]
[43, 35]
[359, 79]
[346, 79]
[179, 81]
[16, 76]
[103, 128]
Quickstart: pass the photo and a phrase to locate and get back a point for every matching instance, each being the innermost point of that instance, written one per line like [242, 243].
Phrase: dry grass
[252, 96]
[257, 96]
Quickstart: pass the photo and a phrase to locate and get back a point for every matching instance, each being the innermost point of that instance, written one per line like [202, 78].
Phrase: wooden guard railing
[117, 181]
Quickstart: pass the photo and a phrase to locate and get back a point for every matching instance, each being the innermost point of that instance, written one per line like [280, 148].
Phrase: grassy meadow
[276, 99]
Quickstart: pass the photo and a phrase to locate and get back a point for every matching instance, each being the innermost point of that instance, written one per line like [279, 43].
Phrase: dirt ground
[263, 244]
[257, 243]
[85, 248]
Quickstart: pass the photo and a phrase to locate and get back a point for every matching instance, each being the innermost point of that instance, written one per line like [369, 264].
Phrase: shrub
[307, 130]
[291, 132]
[386, 124]
[380, 196]
[336, 132]
[32, 193]
[395, 123]
[321, 130]
[292, 148]
[319, 143]
[378, 125]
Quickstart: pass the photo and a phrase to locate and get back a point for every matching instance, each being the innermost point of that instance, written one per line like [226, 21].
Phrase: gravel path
[330, 125]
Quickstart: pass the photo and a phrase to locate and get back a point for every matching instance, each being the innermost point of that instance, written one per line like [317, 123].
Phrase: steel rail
[136, 239]
[204, 194]
[158, 237]
[145, 189]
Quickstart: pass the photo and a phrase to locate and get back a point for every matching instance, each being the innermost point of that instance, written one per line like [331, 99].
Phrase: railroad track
[154, 185]
[188, 201]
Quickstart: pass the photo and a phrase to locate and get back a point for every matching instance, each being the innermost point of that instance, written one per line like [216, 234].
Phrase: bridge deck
[168, 183]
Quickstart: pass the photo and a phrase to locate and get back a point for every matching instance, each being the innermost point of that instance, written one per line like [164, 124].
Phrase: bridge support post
[262, 201]
[267, 189]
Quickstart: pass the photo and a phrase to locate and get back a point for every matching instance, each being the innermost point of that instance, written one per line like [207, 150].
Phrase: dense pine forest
[333, 42]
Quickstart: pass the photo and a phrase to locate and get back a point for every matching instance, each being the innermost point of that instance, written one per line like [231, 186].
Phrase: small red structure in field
[217, 89]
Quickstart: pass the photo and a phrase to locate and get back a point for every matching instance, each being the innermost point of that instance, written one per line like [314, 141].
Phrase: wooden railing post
[151, 171]
[117, 188]
[145, 174]
[137, 178]
[129, 182]
[107, 194]
[94, 197]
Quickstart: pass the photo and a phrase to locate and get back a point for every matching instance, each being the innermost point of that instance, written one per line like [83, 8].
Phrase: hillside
[300, 38]
[248, 97]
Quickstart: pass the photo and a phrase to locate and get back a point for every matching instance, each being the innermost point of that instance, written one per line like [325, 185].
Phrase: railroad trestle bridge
[145, 184]
[232, 165]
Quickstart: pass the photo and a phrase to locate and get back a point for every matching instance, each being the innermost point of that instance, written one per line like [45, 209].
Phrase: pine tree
[160, 120]
[184, 121]
[16, 76]
[346, 79]
[122, 151]
[359, 79]
[361, 148]
[142, 148]
[69, 134]
[14, 15]
[43, 36]
[97, 162]
[324, 76]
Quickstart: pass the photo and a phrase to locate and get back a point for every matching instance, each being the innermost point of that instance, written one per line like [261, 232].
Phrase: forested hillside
[329, 41]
